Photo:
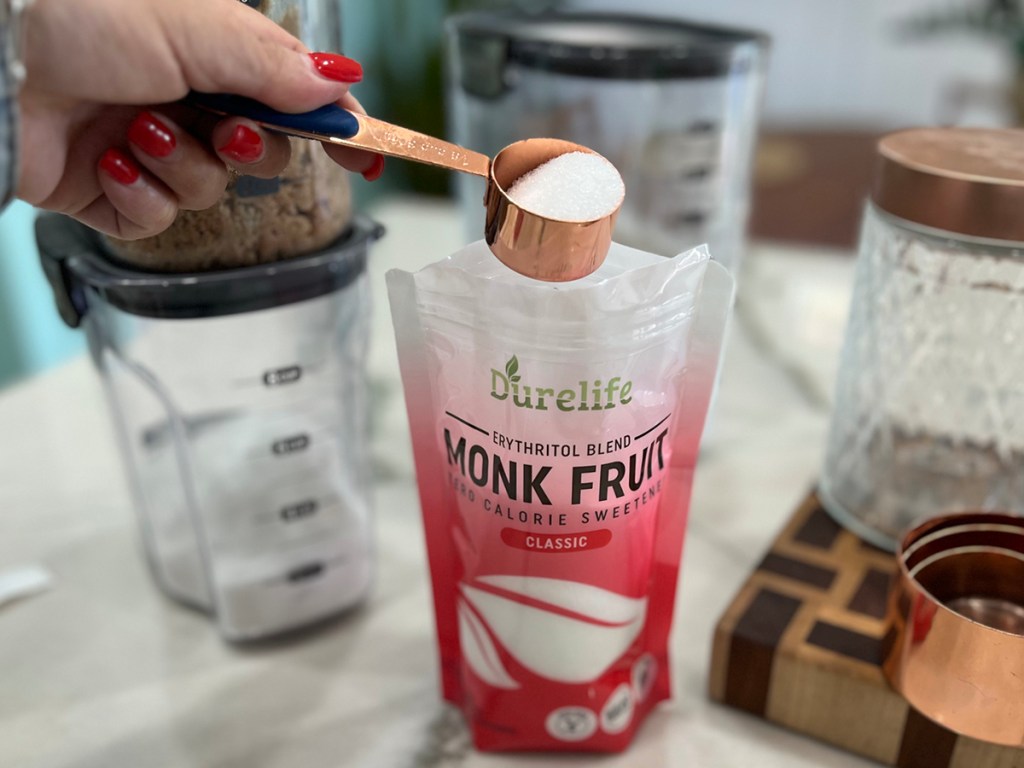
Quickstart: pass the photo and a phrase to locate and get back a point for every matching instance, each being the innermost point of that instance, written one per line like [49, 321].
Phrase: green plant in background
[998, 20]
[407, 65]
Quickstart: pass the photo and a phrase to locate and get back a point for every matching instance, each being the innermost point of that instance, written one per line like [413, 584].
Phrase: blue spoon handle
[327, 122]
[340, 126]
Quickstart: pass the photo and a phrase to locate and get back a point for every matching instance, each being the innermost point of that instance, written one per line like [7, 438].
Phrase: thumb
[156, 52]
[225, 47]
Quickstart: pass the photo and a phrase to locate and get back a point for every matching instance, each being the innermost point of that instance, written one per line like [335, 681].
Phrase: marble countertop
[102, 671]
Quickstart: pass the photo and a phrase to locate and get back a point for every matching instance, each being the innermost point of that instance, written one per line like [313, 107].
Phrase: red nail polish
[245, 145]
[151, 136]
[118, 166]
[335, 67]
[374, 171]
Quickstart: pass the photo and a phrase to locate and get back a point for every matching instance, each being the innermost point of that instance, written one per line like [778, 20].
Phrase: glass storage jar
[929, 407]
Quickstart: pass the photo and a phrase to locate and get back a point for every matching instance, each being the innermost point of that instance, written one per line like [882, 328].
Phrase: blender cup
[240, 401]
[673, 105]
[304, 209]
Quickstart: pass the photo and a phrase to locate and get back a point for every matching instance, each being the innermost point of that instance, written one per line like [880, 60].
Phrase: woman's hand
[103, 140]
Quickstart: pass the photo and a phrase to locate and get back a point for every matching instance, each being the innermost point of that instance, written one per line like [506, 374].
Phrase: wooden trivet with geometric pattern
[801, 646]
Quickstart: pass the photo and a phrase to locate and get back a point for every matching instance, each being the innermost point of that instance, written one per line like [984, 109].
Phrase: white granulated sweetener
[576, 186]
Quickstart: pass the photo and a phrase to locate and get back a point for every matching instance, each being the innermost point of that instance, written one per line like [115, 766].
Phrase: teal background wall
[398, 42]
[32, 335]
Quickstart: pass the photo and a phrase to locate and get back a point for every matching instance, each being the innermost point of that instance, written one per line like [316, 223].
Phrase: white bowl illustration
[479, 652]
[562, 630]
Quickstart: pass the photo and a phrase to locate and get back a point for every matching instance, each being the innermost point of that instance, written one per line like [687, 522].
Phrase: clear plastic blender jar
[674, 105]
[240, 401]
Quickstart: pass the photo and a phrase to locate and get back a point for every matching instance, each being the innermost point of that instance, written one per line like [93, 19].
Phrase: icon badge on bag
[617, 713]
[571, 723]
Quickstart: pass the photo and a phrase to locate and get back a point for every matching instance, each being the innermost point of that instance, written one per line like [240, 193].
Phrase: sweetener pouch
[555, 429]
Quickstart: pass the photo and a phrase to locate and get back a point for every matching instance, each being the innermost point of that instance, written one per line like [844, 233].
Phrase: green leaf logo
[511, 368]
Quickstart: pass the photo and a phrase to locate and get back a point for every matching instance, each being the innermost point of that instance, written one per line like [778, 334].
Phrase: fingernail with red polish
[335, 67]
[118, 166]
[374, 171]
[245, 145]
[151, 136]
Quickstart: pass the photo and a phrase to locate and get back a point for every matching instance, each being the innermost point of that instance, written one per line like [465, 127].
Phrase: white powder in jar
[576, 186]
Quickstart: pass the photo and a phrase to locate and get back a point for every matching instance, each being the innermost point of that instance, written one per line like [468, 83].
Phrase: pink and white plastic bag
[555, 429]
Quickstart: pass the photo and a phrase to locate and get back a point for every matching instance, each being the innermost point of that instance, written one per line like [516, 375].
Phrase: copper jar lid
[955, 649]
[964, 180]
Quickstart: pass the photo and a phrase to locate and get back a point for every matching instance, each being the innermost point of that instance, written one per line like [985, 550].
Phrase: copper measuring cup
[531, 244]
[955, 649]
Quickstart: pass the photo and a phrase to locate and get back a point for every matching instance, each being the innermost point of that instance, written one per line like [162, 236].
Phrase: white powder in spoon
[576, 186]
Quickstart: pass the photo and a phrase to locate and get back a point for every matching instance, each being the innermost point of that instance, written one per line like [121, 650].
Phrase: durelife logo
[585, 395]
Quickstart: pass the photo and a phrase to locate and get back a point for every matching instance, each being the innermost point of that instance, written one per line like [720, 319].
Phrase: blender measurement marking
[299, 511]
[288, 375]
[291, 445]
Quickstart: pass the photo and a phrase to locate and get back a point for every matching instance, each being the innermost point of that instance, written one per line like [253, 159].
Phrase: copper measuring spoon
[533, 245]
